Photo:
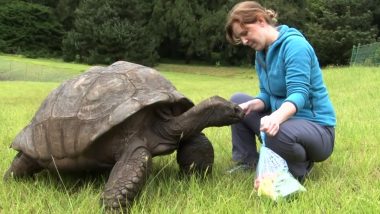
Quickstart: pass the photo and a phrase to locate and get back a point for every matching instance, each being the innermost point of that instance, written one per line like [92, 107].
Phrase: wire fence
[368, 55]
[11, 70]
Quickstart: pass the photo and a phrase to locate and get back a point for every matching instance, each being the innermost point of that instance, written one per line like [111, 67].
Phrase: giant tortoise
[119, 117]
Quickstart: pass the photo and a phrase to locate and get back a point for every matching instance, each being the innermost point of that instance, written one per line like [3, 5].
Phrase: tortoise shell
[80, 110]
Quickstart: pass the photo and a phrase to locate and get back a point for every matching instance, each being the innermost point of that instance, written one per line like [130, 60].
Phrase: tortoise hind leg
[127, 178]
[22, 166]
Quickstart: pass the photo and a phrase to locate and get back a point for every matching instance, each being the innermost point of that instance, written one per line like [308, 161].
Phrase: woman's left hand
[270, 125]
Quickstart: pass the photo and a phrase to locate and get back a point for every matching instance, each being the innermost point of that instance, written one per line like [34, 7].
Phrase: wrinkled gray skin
[119, 117]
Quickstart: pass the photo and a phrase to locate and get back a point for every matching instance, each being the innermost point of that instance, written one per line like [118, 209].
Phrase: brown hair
[247, 12]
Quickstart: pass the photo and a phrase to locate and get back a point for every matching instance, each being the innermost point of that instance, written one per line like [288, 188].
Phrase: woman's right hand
[252, 105]
[247, 106]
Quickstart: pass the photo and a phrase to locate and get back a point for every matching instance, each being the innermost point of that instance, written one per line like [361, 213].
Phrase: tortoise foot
[22, 166]
[196, 156]
[127, 179]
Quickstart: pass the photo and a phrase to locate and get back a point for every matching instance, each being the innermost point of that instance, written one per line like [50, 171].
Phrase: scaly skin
[195, 155]
[22, 166]
[127, 178]
[212, 112]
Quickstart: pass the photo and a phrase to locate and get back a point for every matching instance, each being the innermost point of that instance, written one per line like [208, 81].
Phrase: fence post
[356, 53]
[353, 54]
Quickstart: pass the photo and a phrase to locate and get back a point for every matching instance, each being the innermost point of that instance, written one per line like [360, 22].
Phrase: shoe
[242, 167]
[310, 167]
[302, 178]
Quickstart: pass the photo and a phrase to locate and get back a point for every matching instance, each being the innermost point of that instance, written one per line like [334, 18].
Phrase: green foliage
[373, 6]
[336, 26]
[65, 12]
[98, 31]
[194, 31]
[48, 3]
[177, 23]
[291, 12]
[27, 28]
[106, 31]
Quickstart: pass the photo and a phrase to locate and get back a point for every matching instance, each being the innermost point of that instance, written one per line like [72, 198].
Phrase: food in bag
[273, 178]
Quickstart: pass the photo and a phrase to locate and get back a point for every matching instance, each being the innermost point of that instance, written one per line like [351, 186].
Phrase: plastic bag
[273, 178]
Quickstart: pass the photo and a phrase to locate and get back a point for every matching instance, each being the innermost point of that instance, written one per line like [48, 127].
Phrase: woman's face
[252, 35]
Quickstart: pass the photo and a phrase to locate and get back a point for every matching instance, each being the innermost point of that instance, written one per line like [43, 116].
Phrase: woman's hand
[252, 105]
[247, 106]
[270, 125]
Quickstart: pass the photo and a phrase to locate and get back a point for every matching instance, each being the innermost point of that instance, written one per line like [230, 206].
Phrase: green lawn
[348, 182]
[20, 68]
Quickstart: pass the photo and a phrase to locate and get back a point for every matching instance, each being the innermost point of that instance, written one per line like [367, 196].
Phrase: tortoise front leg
[196, 155]
[127, 178]
[22, 166]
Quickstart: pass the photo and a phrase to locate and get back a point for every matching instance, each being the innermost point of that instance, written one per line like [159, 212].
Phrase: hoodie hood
[284, 33]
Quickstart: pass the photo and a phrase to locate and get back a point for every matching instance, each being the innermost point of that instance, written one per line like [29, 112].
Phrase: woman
[293, 107]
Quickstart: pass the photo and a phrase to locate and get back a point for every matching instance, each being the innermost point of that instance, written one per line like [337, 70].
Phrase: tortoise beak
[238, 112]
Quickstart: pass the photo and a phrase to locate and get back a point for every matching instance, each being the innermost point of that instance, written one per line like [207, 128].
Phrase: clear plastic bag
[273, 178]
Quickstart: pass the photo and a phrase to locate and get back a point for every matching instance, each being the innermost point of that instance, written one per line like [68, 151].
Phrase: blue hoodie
[290, 71]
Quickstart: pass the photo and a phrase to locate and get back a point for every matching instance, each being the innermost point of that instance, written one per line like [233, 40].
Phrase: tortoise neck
[189, 123]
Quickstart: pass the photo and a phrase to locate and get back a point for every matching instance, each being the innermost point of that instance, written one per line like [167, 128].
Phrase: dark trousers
[300, 142]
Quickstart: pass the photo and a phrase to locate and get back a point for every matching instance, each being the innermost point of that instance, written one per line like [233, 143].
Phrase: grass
[348, 182]
[19, 68]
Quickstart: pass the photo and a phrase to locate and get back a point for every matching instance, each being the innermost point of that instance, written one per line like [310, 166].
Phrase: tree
[30, 29]
[176, 23]
[291, 12]
[373, 6]
[333, 27]
[110, 30]
[47, 3]
[65, 12]
[193, 31]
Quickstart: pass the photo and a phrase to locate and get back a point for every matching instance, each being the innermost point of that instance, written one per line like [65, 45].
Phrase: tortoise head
[216, 111]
